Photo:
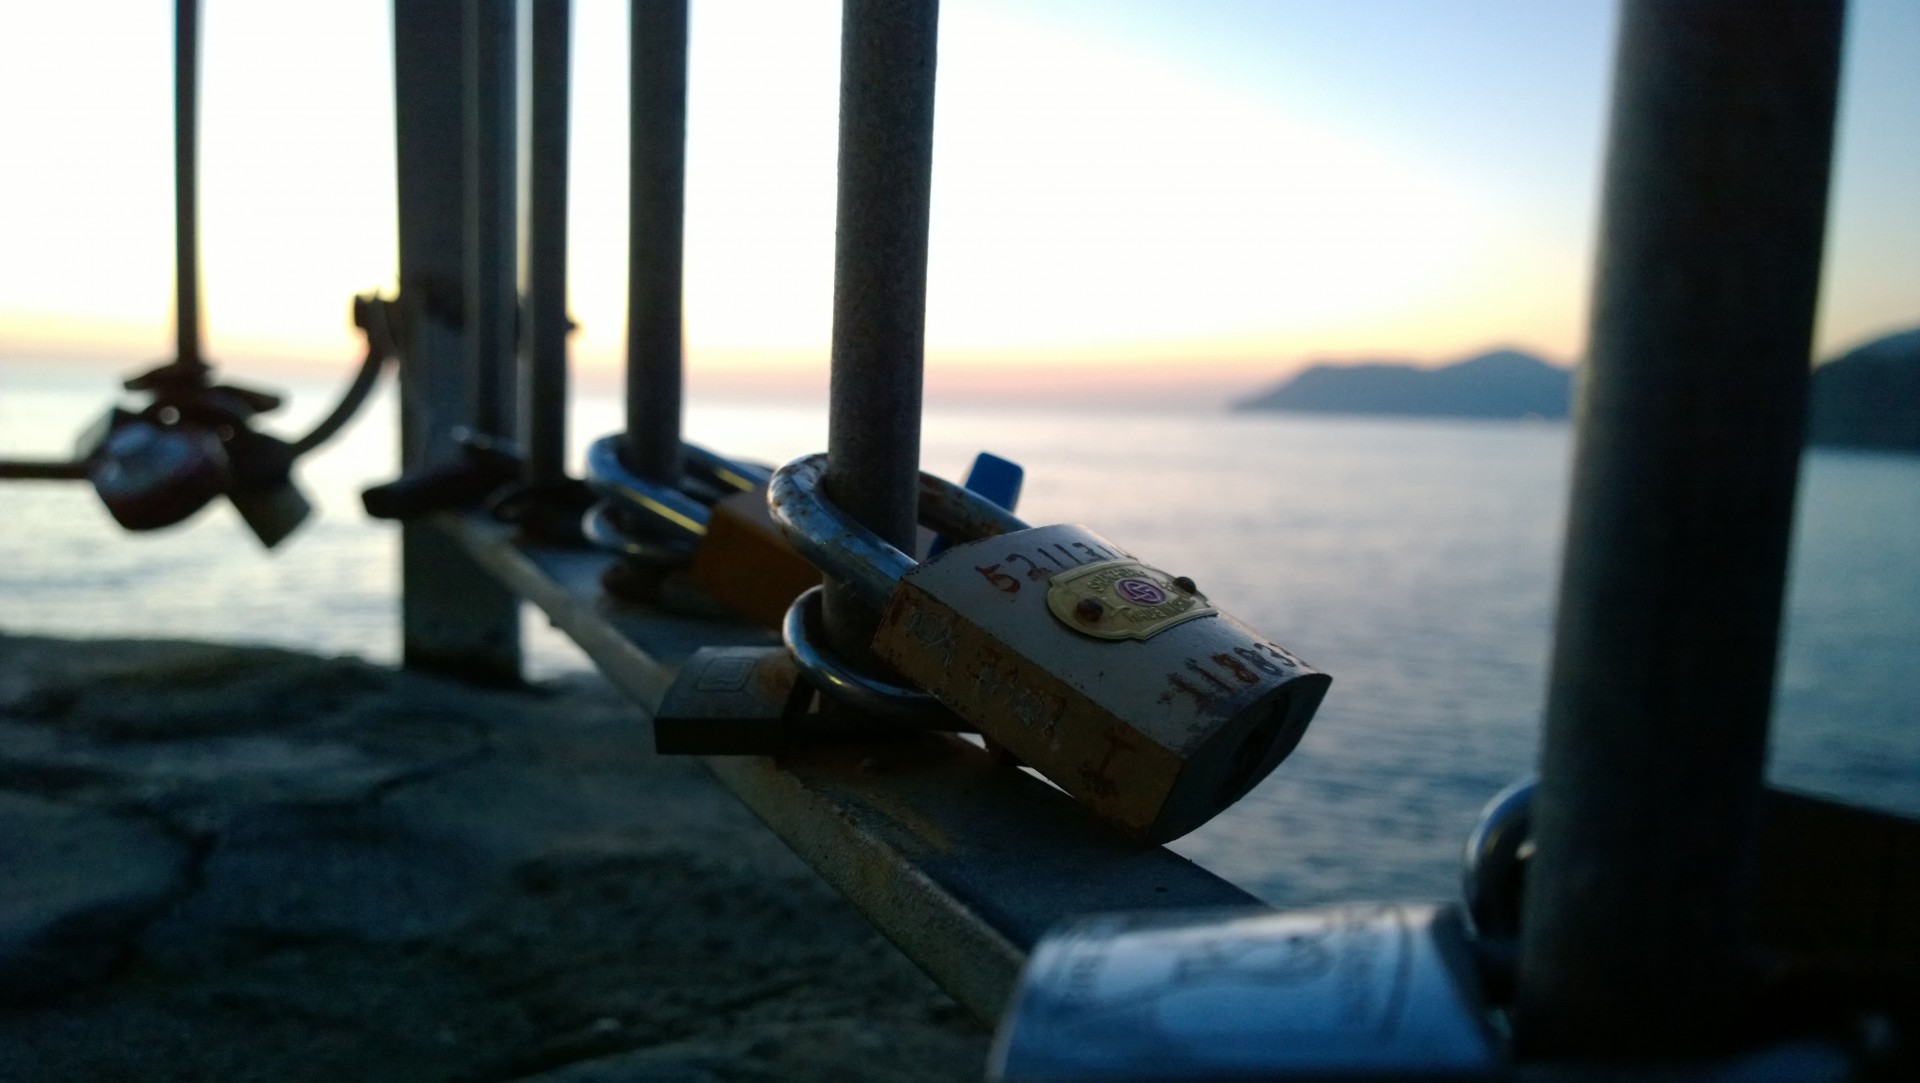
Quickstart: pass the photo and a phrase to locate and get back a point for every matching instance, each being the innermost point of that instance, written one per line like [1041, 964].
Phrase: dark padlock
[262, 488]
[484, 465]
[1835, 886]
[1352, 992]
[1123, 685]
[150, 475]
[731, 701]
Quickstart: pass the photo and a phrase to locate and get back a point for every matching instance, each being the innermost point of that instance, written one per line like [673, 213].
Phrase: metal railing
[1670, 601]
[962, 861]
[1693, 400]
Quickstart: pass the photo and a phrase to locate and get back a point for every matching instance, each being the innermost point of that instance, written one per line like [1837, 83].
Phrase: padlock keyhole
[1257, 753]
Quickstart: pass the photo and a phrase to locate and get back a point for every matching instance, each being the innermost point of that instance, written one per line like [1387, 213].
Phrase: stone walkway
[222, 863]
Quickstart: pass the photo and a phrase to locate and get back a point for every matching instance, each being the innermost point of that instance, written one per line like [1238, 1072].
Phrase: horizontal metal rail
[43, 470]
[959, 860]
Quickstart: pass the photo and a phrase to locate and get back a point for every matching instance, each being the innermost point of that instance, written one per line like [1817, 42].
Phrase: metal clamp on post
[552, 512]
[484, 467]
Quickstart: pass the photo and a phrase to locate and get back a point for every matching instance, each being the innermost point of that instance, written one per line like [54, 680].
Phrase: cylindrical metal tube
[543, 383]
[1690, 419]
[186, 189]
[657, 211]
[492, 265]
[31, 470]
[887, 55]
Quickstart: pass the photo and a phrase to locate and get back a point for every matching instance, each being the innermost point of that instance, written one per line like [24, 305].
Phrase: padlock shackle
[844, 549]
[867, 695]
[720, 472]
[610, 478]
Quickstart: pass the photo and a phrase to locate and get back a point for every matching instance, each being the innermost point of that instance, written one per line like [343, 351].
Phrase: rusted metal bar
[492, 255]
[543, 382]
[454, 617]
[186, 183]
[656, 220]
[961, 861]
[888, 50]
[1689, 439]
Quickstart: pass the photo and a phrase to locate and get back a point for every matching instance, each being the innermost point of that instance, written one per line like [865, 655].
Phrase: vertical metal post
[656, 209]
[543, 386]
[455, 617]
[1690, 421]
[492, 265]
[186, 189]
[887, 54]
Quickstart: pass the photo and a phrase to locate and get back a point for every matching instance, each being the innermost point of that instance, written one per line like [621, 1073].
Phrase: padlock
[151, 475]
[760, 701]
[640, 517]
[714, 523]
[1352, 992]
[1835, 886]
[262, 488]
[731, 701]
[1123, 685]
[745, 562]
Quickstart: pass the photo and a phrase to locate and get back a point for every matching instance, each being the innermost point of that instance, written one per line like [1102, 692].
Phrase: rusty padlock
[745, 562]
[1123, 685]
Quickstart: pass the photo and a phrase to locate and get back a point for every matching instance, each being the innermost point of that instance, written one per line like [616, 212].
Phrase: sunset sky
[1196, 196]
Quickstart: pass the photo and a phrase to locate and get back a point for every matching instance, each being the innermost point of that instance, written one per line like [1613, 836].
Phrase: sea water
[1414, 560]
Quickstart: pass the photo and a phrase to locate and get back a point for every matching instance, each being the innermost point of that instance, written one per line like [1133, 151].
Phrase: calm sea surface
[1412, 560]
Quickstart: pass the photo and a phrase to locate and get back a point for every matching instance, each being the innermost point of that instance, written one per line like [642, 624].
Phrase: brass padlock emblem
[1123, 599]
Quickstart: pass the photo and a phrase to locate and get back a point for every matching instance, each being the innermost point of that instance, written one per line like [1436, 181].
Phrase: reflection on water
[1414, 561]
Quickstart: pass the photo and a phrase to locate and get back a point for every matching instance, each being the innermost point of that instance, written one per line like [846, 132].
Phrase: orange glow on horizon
[1109, 213]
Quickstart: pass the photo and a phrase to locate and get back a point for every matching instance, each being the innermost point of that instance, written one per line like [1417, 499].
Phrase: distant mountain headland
[1869, 397]
[1504, 383]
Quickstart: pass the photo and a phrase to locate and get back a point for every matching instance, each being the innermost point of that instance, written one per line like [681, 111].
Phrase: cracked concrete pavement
[228, 862]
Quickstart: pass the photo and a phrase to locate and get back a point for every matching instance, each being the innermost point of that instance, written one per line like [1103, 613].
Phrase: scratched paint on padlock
[1123, 599]
[935, 637]
[990, 679]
